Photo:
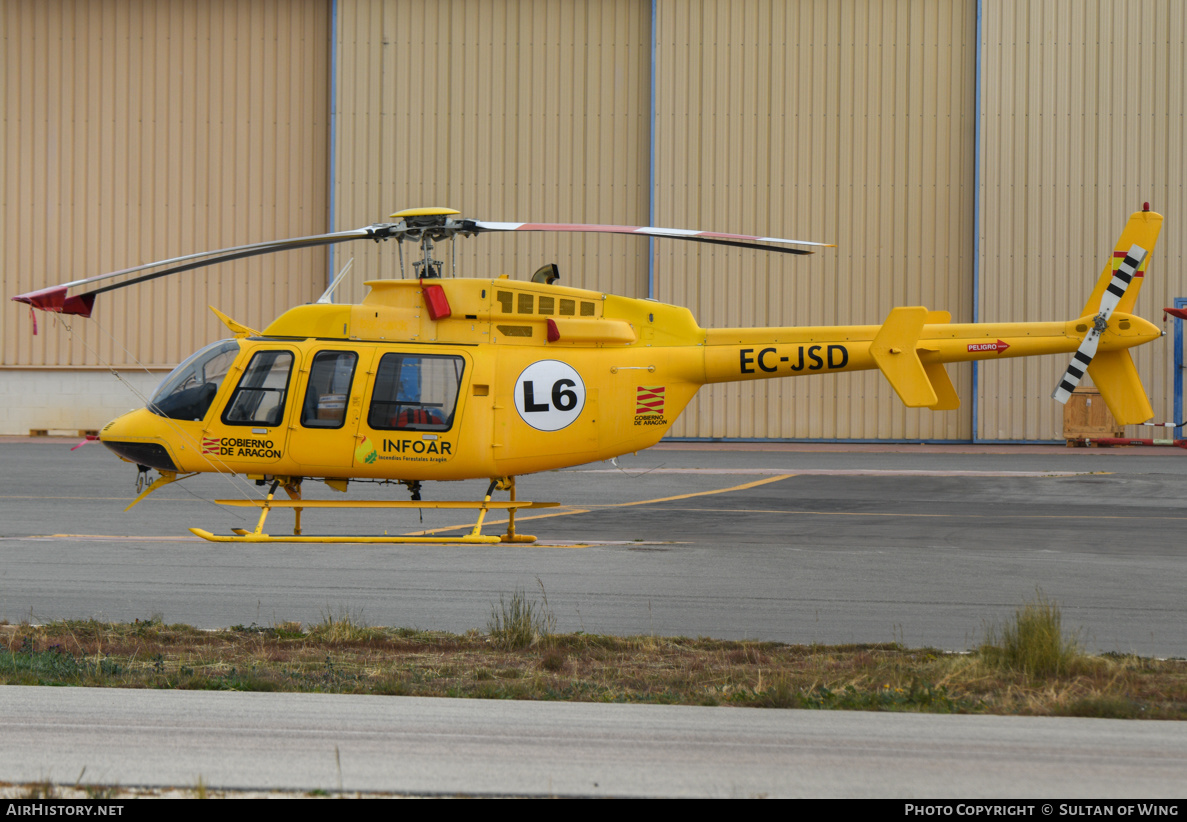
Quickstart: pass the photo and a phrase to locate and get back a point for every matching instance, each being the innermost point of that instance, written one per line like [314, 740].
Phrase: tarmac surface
[921, 544]
[924, 545]
[490, 747]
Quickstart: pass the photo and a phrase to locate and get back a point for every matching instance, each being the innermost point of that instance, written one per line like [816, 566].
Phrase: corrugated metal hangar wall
[1082, 120]
[974, 157]
[139, 130]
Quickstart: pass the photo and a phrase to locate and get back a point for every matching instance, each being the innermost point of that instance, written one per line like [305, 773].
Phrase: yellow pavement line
[42, 496]
[588, 508]
[741, 487]
[106, 537]
[888, 514]
[561, 513]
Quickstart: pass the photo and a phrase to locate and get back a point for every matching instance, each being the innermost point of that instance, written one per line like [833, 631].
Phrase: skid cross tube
[474, 537]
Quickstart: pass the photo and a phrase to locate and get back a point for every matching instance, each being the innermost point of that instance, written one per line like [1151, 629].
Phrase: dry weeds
[342, 656]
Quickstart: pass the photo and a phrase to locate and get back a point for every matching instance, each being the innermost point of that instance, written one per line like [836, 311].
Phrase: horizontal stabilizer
[946, 397]
[894, 350]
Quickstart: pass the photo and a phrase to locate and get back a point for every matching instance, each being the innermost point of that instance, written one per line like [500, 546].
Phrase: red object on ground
[1135, 441]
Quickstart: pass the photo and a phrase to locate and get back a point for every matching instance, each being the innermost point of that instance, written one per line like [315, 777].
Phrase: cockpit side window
[329, 389]
[188, 391]
[415, 392]
[259, 398]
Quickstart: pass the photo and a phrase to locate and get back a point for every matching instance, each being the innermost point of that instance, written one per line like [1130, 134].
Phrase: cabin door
[329, 393]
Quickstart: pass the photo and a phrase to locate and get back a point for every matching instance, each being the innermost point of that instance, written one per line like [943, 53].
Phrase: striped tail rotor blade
[1076, 368]
[1122, 277]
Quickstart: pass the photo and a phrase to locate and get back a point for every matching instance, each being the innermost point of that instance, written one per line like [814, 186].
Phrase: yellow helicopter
[445, 378]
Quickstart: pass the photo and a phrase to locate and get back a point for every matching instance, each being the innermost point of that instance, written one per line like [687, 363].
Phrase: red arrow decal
[997, 347]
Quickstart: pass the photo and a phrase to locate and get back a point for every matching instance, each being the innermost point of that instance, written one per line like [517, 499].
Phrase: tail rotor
[1122, 278]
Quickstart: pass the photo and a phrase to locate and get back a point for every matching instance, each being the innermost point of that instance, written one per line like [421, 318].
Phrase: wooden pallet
[1086, 415]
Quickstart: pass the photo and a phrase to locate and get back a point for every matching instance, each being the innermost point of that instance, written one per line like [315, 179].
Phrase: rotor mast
[425, 227]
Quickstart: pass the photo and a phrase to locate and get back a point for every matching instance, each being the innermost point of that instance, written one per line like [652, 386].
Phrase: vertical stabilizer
[1142, 231]
[1117, 379]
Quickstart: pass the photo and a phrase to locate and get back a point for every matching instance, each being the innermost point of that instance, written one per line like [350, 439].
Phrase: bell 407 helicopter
[445, 378]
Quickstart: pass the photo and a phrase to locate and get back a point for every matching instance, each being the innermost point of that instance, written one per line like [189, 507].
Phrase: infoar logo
[365, 453]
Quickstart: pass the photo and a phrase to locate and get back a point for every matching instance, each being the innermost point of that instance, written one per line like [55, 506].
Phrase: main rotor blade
[78, 296]
[715, 237]
[1122, 277]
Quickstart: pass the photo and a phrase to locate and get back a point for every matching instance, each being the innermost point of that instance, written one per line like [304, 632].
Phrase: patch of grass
[28, 664]
[519, 622]
[248, 629]
[100, 793]
[342, 655]
[40, 790]
[288, 630]
[345, 628]
[1103, 706]
[391, 687]
[553, 660]
[1033, 642]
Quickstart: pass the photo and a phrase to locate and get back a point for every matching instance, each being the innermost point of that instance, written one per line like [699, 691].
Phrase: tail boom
[910, 348]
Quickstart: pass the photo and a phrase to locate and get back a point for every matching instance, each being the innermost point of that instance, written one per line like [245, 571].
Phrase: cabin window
[188, 391]
[328, 391]
[259, 398]
[415, 392]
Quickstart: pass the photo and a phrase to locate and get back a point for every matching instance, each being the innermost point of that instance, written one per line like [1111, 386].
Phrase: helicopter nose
[134, 437]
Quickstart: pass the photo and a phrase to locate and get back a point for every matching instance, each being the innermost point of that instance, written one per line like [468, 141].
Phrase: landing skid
[475, 537]
[244, 535]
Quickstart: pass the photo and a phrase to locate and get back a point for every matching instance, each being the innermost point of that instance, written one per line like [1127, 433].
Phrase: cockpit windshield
[189, 389]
